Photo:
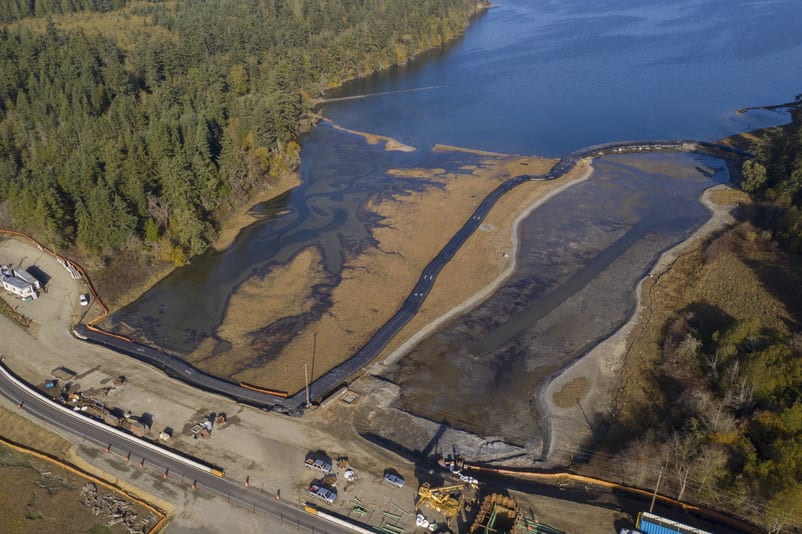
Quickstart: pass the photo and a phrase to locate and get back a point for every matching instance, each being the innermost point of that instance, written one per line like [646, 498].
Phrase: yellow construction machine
[447, 500]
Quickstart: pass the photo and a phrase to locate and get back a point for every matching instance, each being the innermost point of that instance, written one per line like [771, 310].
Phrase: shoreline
[566, 428]
[240, 219]
[377, 280]
[488, 289]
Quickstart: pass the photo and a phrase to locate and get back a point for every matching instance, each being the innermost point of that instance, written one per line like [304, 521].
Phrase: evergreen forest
[721, 413]
[138, 125]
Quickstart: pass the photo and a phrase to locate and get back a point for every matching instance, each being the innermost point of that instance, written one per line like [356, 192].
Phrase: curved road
[170, 464]
[142, 455]
[331, 380]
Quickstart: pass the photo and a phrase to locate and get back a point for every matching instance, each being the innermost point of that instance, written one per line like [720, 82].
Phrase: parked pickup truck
[321, 465]
[323, 493]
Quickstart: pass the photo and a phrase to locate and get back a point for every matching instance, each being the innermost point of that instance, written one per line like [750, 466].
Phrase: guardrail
[350, 525]
[153, 448]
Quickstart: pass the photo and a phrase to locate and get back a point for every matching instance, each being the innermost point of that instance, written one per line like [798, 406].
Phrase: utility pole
[306, 375]
[306, 380]
[656, 486]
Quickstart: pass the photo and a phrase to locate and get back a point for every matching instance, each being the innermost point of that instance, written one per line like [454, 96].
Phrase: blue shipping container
[654, 524]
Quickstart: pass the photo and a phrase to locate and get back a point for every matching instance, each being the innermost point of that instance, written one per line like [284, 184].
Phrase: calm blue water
[548, 76]
[529, 76]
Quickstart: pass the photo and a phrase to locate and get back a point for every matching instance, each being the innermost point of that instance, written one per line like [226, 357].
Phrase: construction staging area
[456, 504]
[267, 451]
[499, 513]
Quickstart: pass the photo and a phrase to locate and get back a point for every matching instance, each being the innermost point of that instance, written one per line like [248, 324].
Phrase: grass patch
[11, 313]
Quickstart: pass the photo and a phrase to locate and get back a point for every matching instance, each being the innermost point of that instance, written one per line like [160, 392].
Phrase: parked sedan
[394, 479]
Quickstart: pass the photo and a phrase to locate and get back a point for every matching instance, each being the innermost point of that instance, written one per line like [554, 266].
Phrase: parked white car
[394, 479]
[84, 299]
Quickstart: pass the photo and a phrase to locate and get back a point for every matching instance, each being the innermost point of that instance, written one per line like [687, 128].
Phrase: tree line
[147, 141]
[11, 10]
[774, 177]
[723, 419]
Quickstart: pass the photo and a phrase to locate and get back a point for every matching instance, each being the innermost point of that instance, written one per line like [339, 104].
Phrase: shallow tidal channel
[342, 175]
[580, 258]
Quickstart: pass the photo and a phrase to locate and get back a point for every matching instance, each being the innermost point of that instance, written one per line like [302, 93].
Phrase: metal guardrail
[119, 433]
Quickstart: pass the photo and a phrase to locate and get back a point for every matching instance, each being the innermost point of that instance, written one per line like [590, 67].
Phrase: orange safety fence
[90, 325]
[94, 328]
[160, 524]
[556, 477]
[274, 392]
[76, 266]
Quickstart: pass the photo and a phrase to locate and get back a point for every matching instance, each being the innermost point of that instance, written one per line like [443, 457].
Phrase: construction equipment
[454, 463]
[500, 514]
[447, 500]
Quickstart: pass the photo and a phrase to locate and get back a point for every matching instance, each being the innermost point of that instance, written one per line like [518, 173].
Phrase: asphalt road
[140, 455]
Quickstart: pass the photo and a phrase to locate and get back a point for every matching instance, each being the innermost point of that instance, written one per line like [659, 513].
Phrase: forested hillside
[713, 389]
[775, 178]
[11, 10]
[137, 124]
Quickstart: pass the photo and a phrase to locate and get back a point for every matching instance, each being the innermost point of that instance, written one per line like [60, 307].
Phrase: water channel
[573, 286]
[528, 77]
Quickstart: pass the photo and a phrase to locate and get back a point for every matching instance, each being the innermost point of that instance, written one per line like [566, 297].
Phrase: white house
[19, 287]
[13, 283]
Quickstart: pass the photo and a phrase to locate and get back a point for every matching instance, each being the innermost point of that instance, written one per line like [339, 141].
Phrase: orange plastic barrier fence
[47, 457]
[77, 267]
[274, 392]
[552, 477]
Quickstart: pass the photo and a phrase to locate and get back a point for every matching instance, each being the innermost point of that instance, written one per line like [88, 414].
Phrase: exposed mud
[573, 286]
[333, 316]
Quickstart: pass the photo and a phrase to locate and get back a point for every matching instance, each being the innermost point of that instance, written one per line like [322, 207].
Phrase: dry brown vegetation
[284, 291]
[572, 392]
[486, 254]
[38, 495]
[375, 139]
[727, 274]
[125, 29]
[738, 277]
[374, 284]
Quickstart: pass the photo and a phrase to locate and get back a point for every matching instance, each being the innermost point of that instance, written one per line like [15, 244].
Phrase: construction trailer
[28, 277]
[654, 524]
[17, 286]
